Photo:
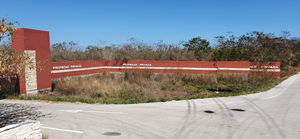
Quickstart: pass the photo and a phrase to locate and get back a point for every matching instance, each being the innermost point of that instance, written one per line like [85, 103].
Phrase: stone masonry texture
[30, 74]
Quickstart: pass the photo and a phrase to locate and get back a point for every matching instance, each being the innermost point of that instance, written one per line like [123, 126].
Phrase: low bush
[163, 100]
[152, 100]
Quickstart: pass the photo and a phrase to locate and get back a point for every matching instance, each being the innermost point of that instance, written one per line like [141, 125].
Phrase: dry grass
[119, 86]
[289, 71]
[138, 87]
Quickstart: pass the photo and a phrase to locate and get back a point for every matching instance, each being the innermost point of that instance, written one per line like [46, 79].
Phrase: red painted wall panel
[67, 69]
[191, 64]
[266, 68]
[29, 39]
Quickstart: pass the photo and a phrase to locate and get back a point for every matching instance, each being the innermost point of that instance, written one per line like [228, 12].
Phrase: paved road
[272, 114]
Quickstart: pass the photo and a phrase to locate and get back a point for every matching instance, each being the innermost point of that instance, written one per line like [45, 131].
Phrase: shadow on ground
[12, 113]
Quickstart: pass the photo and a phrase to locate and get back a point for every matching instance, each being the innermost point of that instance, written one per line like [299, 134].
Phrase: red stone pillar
[39, 41]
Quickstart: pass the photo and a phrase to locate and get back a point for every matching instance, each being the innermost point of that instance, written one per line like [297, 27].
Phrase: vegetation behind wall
[254, 47]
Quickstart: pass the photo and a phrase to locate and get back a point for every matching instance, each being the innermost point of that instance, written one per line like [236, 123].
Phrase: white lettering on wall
[61, 67]
[270, 67]
[145, 65]
[149, 65]
[266, 67]
[75, 66]
[129, 64]
[66, 67]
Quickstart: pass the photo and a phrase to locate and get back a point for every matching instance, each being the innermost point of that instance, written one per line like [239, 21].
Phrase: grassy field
[128, 88]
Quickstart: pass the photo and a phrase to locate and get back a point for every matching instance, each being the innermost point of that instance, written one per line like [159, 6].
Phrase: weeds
[134, 87]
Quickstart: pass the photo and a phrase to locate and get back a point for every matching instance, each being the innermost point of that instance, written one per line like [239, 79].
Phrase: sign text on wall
[137, 65]
[66, 67]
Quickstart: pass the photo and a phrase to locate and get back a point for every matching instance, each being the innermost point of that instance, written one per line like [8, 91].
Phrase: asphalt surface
[269, 115]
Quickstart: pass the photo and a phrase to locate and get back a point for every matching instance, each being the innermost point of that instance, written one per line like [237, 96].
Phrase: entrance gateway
[36, 44]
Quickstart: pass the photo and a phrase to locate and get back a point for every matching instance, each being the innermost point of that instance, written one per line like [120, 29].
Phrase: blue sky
[116, 21]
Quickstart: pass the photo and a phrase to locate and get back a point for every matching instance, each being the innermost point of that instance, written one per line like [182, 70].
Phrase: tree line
[253, 46]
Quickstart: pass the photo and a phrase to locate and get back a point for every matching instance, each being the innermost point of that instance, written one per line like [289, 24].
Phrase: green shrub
[58, 99]
[82, 100]
[176, 98]
[163, 100]
[21, 97]
[152, 100]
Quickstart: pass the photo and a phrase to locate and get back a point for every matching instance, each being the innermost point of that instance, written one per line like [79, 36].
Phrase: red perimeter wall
[265, 68]
[29, 39]
[67, 69]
